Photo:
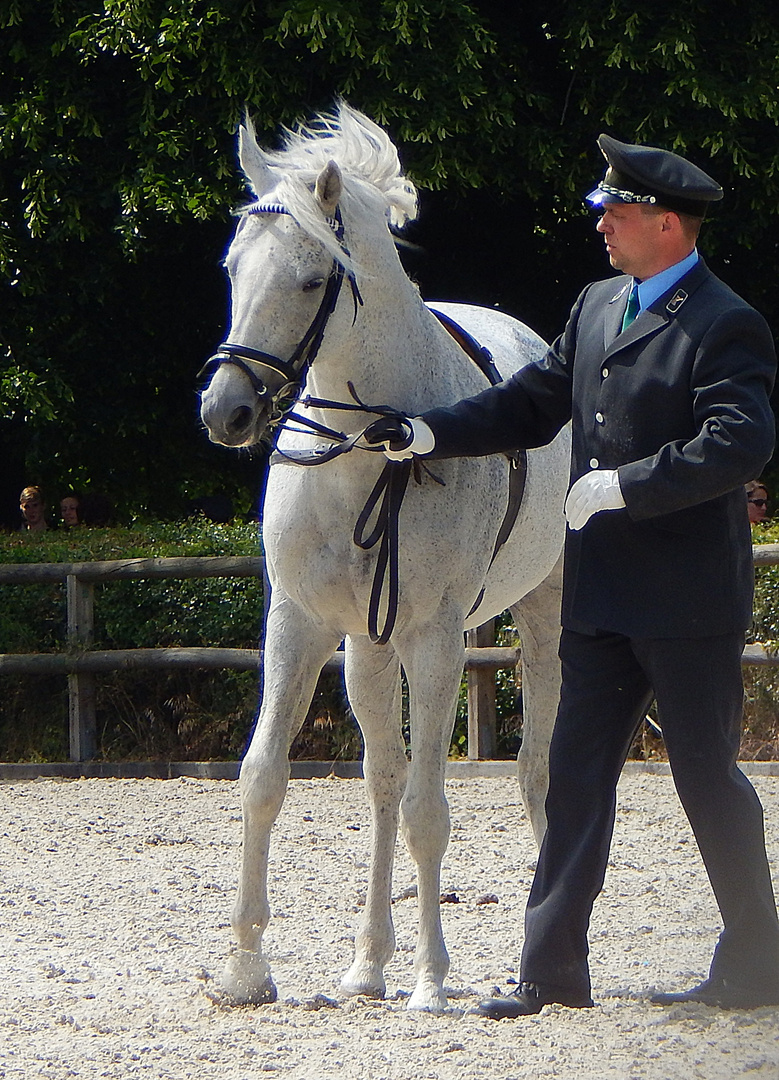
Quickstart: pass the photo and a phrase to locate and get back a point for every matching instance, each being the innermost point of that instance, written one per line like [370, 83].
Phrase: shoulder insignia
[676, 301]
[621, 292]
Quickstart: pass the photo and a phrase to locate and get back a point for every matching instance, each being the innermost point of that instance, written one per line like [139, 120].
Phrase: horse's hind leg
[295, 652]
[537, 616]
[373, 685]
[433, 662]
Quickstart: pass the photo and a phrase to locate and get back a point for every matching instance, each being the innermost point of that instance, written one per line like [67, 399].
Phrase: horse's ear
[252, 160]
[329, 186]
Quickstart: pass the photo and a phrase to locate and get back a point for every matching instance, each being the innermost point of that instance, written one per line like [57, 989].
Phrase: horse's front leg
[294, 653]
[433, 662]
[373, 685]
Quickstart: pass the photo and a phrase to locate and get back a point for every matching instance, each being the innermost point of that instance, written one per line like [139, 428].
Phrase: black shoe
[721, 994]
[530, 998]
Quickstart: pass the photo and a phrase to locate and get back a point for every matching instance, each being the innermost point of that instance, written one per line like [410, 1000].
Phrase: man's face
[634, 238]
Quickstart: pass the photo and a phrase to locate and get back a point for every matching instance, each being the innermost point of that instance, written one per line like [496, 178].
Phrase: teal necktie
[632, 308]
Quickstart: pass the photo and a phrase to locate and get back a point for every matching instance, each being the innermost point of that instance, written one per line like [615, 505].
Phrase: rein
[277, 383]
[387, 494]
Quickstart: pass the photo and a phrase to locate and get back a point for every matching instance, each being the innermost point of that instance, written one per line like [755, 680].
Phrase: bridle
[277, 382]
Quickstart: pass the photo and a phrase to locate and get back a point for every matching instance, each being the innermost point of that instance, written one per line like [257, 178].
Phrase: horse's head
[282, 283]
[286, 264]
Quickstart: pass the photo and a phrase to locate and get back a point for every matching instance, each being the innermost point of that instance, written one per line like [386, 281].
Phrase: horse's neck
[395, 353]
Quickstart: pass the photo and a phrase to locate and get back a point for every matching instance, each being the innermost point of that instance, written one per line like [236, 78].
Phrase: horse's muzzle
[233, 411]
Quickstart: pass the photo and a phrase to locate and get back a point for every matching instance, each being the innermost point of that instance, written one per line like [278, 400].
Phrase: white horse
[323, 206]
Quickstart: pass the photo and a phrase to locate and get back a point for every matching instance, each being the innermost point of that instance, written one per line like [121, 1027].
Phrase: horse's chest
[445, 537]
[311, 550]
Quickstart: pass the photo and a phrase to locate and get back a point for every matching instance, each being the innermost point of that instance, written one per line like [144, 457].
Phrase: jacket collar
[656, 317]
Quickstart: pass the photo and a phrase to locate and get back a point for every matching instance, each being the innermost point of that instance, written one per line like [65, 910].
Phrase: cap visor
[598, 197]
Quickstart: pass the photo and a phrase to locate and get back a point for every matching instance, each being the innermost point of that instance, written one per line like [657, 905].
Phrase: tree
[118, 177]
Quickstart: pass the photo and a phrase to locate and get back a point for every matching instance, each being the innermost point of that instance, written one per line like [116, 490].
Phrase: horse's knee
[425, 824]
[263, 787]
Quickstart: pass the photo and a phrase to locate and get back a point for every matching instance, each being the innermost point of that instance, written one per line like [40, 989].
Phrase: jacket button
[594, 463]
[599, 417]
[605, 373]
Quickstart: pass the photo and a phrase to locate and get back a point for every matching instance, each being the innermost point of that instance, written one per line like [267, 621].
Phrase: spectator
[70, 509]
[757, 502]
[33, 508]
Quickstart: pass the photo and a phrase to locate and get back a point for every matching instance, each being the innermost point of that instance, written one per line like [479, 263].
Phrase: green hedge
[208, 715]
[135, 614]
[760, 740]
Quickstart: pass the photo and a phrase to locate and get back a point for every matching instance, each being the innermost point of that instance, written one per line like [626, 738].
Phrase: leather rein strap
[517, 459]
[277, 382]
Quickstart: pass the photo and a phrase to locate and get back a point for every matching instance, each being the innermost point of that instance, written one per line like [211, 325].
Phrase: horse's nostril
[241, 418]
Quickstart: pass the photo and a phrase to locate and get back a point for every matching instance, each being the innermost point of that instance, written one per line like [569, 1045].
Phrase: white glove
[400, 438]
[422, 442]
[593, 492]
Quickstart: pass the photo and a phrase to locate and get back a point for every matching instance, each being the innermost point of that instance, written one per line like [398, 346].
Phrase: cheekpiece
[646, 174]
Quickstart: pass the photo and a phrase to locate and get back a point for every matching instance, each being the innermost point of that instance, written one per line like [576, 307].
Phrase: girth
[482, 357]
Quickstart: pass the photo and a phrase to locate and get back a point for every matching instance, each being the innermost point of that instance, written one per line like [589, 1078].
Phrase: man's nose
[601, 225]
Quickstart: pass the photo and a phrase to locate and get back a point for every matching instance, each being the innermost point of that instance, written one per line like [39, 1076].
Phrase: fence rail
[80, 663]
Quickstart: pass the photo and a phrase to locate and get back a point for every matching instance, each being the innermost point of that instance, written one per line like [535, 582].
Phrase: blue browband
[335, 223]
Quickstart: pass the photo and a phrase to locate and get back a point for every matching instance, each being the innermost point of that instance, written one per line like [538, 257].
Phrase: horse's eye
[314, 283]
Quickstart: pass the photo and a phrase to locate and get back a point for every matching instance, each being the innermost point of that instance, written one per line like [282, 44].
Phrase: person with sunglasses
[757, 502]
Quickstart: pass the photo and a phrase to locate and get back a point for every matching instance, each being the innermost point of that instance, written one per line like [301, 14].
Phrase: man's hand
[593, 492]
[401, 437]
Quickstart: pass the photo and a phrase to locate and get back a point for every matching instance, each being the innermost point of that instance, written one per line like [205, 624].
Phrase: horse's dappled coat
[393, 352]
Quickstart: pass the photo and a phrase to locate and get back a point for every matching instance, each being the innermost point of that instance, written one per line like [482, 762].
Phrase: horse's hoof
[428, 997]
[363, 980]
[247, 979]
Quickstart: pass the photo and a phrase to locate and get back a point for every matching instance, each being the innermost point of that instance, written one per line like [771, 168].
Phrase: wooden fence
[81, 663]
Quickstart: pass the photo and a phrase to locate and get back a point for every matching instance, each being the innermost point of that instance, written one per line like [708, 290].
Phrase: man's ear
[671, 221]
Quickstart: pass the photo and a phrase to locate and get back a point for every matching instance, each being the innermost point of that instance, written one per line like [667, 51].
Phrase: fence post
[482, 723]
[81, 685]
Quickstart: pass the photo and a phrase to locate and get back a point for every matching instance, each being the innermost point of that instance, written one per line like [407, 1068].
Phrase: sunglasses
[758, 502]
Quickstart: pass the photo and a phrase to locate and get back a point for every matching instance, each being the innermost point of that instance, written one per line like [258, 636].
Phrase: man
[670, 418]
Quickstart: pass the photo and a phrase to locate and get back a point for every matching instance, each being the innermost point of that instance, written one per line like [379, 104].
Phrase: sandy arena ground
[115, 900]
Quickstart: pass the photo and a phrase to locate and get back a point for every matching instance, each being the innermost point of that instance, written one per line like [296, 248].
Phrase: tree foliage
[118, 175]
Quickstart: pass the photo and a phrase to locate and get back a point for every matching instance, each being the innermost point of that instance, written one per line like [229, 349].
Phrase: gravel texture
[116, 897]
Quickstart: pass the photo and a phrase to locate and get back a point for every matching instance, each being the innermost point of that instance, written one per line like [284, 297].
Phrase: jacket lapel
[615, 310]
[654, 318]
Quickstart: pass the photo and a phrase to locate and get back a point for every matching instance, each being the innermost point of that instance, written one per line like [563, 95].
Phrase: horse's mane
[369, 165]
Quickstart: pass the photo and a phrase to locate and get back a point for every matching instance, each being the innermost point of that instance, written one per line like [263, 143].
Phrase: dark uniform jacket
[678, 403]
